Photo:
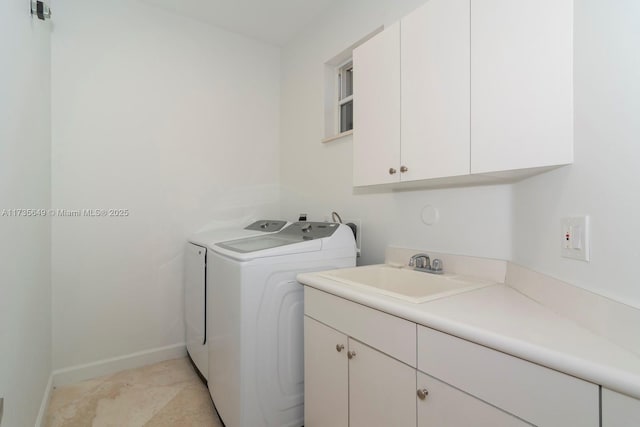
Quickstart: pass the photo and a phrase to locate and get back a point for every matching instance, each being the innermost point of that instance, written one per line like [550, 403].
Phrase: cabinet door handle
[339, 347]
[351, 354]
[404, 169]
[392, 171]
[423, 393]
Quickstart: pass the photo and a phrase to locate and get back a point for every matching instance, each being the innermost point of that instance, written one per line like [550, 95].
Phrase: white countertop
[501, 318]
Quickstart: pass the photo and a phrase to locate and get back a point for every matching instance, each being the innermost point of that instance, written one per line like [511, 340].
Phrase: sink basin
[404, 283]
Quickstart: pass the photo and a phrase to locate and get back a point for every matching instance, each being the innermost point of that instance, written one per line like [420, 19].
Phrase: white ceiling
[272, 21]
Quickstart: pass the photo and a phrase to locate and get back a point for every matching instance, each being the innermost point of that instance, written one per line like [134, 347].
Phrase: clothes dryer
[195, 284]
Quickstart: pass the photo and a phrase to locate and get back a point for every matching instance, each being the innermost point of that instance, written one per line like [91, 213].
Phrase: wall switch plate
[575, 237]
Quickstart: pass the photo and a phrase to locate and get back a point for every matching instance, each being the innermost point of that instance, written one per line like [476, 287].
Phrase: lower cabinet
[619, 410]
[381, 390]
[326, 376]
[354, 377]
[534, 393]
[348, 383]
[440, 404]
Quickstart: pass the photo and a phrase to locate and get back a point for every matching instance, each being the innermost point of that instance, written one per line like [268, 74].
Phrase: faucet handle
[420, 261]
[436, 265]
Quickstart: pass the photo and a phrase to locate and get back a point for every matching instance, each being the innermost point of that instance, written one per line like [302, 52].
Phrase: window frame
[341, 79]
[330, 89]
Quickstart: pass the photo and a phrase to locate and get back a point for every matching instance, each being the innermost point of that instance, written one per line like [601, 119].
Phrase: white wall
[604, 181]
[317, 178]
[169, 118]
[520, 221]
[147, 117]
[25, 156]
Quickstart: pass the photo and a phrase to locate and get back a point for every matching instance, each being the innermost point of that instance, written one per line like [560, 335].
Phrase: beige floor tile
[164, 394]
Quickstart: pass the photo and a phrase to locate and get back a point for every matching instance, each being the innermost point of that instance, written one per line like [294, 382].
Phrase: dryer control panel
[266, 225]
[307, 230]
[295, 233]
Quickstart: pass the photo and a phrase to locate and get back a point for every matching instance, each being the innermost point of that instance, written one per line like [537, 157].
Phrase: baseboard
[44, 405]
[79, 373]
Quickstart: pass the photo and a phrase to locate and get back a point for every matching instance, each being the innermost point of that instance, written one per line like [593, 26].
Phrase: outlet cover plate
[574, 237]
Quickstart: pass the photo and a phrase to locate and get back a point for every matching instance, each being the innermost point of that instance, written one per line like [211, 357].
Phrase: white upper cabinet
[465, 91]
[411, 83]
[435, 80]
[376, 115]
[521, 84]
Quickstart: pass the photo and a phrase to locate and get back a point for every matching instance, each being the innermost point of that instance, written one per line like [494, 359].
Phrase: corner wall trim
[87, 371]
[44, 405]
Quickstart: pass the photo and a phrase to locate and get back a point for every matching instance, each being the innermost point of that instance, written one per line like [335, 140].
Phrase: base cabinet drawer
[439, 404]
[389, 334]
[538, 395]
[619, 410]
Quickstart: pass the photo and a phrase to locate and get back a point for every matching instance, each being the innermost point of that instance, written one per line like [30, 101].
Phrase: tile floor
[165, 394]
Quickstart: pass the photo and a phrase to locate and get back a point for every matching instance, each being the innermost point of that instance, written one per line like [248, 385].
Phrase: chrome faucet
[422, 262]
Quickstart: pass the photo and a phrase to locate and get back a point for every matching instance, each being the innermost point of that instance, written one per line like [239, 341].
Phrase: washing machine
[255, 331]
[195, 284]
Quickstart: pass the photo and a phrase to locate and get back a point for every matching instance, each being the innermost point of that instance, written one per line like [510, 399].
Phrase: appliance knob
[264, 225]
[306, 228]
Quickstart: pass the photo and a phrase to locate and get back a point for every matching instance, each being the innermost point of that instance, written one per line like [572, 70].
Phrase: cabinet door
[619, 410]
[382, 390]
[521, 84]
[376, 109]
[194, 306]
[435, 90]
[539, 395]
[447, 406]
[326, 376]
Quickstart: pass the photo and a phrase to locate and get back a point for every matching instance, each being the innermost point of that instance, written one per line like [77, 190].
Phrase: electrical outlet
[575, 237]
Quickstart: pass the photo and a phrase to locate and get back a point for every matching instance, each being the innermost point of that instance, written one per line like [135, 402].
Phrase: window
[345, 97]
[338, 92]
